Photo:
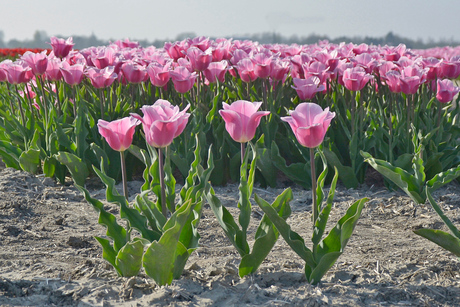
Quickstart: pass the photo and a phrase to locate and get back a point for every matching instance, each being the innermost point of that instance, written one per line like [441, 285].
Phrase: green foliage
[325, 251]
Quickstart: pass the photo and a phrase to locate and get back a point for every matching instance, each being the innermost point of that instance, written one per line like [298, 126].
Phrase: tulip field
[201, 114]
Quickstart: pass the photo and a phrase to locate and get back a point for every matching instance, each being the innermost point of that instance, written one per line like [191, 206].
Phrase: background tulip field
[390, 102]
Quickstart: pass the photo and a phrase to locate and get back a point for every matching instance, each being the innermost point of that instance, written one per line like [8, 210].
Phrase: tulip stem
[242, 152]
[123, 174]
[162, 182]
[313, 186]
[20, 107]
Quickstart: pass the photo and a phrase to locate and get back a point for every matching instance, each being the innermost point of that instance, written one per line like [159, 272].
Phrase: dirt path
[48, 255]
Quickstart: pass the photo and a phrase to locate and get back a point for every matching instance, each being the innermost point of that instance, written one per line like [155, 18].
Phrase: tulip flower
[119, 135]
[449, 69]
[134, 72]
[162, 122]
[101, 58]
[316, 69]
[183, 79]
[38, 62]
[446, 90]
[101, 78]
[245, 69]
[262, 65]
[61, 47]
[309, 122]
[355, 78]
[159, 74]
[216, 71]
[17, 72]
[307, 88]
[53, 69]
[73, 74]
[279, 69]
[241, 119]
[199, 59]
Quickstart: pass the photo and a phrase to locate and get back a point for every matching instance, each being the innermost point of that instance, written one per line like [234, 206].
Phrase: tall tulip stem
[123, 174]
[20, 107]
[313, 186]
[162, 182]
[242, 152]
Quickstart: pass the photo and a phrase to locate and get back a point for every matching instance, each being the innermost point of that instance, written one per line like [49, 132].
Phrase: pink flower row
[312, 67]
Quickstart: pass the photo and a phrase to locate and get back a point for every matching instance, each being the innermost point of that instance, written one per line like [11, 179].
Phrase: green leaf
[109, 253]
[264, 163]
[129, 258]
[76, 167]
[30, 160]
[266, 236]
[346, 173]
[292, 238]
[297, 172]
[398, 176]
[441, 238]
[333, 245]
[441, 214]
[160, 259]
[443, 178]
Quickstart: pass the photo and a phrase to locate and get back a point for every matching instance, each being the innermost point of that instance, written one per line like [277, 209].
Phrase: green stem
[313, 186]
[123, 174]
[242, 153]
[162, 182]
[20, 107]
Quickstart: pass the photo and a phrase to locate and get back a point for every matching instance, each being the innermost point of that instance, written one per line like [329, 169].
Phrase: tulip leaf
[30, 160]
[441, 214]
[292, 238]
[443, 178]
[165, 257]
[75, 165]
[346, 173]
[398, 176]
[266, 235]
[441, 238]
[297, 172]
[109, 253]
[331, 247]
[129, 258]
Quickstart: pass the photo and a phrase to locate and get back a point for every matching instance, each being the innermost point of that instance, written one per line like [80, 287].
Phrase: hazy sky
[151, 19]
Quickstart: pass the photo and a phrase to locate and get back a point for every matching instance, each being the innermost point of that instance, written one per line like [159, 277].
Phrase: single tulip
[38, 62]
[61, 47]
[73, 74]
[245, 69]
[17, 72]
[101, 78]
[199, 59]
[316, 69]
[309, 122]
[262, 65]
[279, 69]
[53, 69]
[118, 133]
[216, 71]
[103, 57]
[446, 90]
[3, 75]
[162, 122]
[183, 79]
[241, 119]
[134, 72]
[355, 78]
[159, 74]
[449, 69]
[393, 80]
[307, 88]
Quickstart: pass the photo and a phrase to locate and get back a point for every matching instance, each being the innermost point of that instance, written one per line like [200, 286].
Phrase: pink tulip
[316, 69]
[176, 50]
[449, 69]
[182, 79]
[446, 90]
[61, 47]
[38, 62]
[279, 69]
[134, 72]
[118, 133]
[221, 51]
[307, 88]
[199, 59]
[216, 71]
[17, 72]
[3, 75]
[73, 74]
[101, 78]
[159, 74]
[53, 70]
[162, 122]
[393, 80]
[101, 58]
[241, 119]
[354, 79]
[245, 69]
[200, 42]
[262, 65]
[309, 123]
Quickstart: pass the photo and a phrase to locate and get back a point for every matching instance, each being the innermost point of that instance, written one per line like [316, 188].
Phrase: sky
[166, 19]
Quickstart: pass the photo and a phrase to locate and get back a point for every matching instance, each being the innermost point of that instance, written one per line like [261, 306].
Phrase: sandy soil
[48, 256]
